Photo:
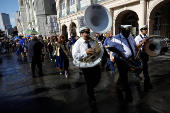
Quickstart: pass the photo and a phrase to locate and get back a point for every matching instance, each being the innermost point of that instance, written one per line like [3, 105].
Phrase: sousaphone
[99, 20]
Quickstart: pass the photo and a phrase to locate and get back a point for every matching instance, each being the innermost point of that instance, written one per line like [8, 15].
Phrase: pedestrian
[50, 50]
[62, 54]
[140, 40]
[45, 42]
[110, 65]
[34, 55]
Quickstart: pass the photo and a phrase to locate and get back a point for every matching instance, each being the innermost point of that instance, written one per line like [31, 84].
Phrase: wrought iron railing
[71, 10]
[162, 30]
[61, 15]
[79, 8]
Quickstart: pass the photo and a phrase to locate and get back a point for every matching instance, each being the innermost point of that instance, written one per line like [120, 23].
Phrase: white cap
[127, 27]
[82, 29]
[143, 27]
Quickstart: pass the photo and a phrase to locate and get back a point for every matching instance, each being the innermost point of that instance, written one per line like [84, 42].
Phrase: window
[54, 8]
[72, 6]
[33, 6]
[22, 3]
[62, 7]
[83, 4]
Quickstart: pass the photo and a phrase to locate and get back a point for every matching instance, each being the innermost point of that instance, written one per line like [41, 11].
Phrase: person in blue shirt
[110, 64]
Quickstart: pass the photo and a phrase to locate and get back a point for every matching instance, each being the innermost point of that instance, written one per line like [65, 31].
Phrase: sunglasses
[145, 29]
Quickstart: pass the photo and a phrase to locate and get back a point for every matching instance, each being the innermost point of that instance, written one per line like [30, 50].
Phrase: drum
[156, 45]
[134, 66]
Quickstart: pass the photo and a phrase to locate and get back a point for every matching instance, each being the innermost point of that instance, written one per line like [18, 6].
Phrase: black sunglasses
[145, 29]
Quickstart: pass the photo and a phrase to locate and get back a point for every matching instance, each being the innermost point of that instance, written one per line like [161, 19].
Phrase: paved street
[54, 93]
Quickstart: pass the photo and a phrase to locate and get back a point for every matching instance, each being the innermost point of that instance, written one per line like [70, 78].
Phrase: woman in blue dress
[62, 54]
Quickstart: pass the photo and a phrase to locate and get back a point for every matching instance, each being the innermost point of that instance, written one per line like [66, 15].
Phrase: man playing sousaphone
[82, 48]
[140, 40]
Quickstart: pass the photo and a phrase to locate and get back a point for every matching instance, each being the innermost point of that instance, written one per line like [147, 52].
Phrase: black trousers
[145, 58]
[123, 76]
[32, 67]
[92, 77]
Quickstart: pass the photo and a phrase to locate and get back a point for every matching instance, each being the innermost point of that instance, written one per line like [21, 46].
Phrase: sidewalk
[54, 93]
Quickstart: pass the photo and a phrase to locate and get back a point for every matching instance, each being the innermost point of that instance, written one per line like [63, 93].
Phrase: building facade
[154, 13]
[18, 23]
[5, 21]
[34, 14]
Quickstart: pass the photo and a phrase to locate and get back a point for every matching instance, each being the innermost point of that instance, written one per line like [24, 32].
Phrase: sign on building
[52, 24]
[81, 22]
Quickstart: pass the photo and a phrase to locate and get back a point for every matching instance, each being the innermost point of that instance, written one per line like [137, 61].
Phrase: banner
[81, 22]
[52, 23]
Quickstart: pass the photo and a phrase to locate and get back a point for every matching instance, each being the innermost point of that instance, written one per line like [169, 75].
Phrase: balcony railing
[79, 8]
[61, 15]
[162, 30]
[96, 1]
[71, 10]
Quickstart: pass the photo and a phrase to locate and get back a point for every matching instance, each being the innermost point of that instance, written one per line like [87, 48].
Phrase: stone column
[142, 16]
[75, 6]
[89, 2]
[58, 8]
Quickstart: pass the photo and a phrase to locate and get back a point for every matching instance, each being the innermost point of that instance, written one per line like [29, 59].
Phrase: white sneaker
[66, 74]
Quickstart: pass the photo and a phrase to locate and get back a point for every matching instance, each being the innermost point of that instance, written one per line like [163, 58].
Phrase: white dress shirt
[138, 39]
[80, 47]
[120, 42]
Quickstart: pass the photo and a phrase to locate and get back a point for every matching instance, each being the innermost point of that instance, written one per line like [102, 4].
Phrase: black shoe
[137, 76]
[40, 73]
[80, 73]
[147, 86]
[129, 98]
[93, 106]
[108, 69]
[119, 86]
[33, 76]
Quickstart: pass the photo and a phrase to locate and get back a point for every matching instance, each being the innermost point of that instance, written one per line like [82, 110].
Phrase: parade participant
[45, 42]
[92, 75]
[105, 45]
[50, 50]
[140, 40]
[124, 45]
[34, 55]
[62, 54]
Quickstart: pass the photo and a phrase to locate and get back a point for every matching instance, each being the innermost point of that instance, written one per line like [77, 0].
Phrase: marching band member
[140, 40]
[92, 75]
[62, 54]
[124, 48]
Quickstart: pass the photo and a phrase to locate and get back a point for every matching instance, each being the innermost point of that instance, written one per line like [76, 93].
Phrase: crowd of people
[117, 50]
